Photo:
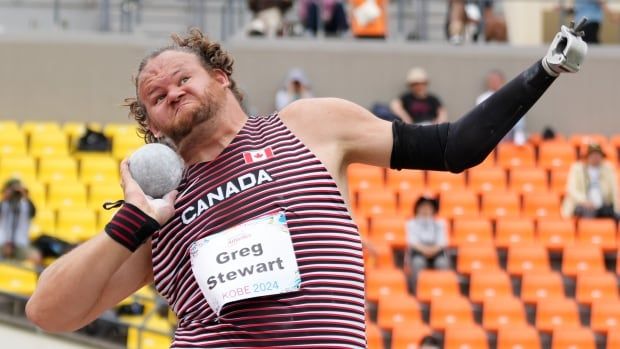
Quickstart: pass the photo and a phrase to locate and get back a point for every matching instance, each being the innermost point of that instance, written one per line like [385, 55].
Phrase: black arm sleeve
[468, 141]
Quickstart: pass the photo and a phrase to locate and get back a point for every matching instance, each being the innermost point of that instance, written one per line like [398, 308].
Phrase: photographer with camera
[16, 213]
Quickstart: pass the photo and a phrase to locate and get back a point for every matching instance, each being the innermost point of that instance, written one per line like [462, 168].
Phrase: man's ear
[221, 77]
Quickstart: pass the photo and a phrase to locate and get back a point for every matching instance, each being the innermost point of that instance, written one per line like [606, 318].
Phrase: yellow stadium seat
[113, 130]
[104, 216]
[13, 143]
[37, 193]
[44, 222]
[76, 225]
[57, 169]
[146, 339]
[99, 169]
[66, 194]
[17, 279]
[74, 130]
[99, 193]
[22, 167]
[9, 126]
[48, 144]
[31, 127]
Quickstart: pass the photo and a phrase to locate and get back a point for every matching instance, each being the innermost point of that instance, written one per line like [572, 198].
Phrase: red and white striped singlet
[328, 310]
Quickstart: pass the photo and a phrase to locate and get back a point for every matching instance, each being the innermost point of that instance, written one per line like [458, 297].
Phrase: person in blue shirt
[593, 10]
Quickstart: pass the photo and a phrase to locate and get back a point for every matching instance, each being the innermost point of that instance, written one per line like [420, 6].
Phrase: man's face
[495, 81]
[595, 159]
[179, 93]
[419, 89]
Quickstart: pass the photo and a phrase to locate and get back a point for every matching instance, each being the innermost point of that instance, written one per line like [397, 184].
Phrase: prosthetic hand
[567, 51]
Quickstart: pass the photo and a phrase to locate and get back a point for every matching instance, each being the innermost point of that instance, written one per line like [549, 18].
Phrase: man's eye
[160, 98]
[184, 80]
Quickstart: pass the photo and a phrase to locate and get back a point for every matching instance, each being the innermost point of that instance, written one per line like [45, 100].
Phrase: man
[257, 248]
[591, 187]
[418, 105]
[16, 214]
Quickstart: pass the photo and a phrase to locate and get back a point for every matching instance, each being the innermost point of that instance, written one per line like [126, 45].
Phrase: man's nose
[175, 95]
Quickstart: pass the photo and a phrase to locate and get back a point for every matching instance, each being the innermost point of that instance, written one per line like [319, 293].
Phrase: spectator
[16, 213]
[462, 21]
[591, 187]
[426, 238]
[296, 86]
[330, 13]
[494, 25]
[418, 105]
[494, 81]
[593, 10]
[268, 16]
[429, 342]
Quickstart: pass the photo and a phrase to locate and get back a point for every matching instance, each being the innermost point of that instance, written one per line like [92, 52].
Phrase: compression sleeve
[468, 141]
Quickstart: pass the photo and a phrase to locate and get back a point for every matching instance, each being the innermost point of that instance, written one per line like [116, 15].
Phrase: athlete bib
[250, 260]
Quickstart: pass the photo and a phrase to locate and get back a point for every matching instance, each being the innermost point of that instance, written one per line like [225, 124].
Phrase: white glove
[567, 51]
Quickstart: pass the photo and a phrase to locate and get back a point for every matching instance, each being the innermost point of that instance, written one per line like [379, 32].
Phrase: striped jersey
[266, 169]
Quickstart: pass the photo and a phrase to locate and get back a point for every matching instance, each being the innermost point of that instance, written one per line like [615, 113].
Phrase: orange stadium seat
[524, 258]
[458, 203]
[381, 254]
[389, 228]
[510, 155]
[555, 233]
[489, 284]
[518, 337]
[580, 139]
[503, 311]
[605, 316]
[471, 230]
[384, 281]
[541, 204]
[501, 204]
[440, 181]
[572, 338]
[407, 336]
[541, 286]
[596, 286]
[362, 25]
[487, 179]
[509, 231]
[436, 284]
[376, 202]
[404, 180]
[449, 311]
[558, 154]
[397, 309]
[528, 180]
[488, 162]
[465, 336]
[600, 232]
[613, 339]
[474, 258]
[408, 197]
[374, 337]
[582, 257]
[556, 313]
[558, 180]
[362, 177]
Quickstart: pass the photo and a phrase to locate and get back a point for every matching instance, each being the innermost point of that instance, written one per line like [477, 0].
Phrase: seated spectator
[296, 86]
[426, 238]
[268, 16]
[329, 13]
[494, 81]
[494, 25]
[429, 342]
[417, 105]
[591, 187]
[16, 214]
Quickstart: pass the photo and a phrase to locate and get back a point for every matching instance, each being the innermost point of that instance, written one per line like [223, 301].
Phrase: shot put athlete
[256, 247]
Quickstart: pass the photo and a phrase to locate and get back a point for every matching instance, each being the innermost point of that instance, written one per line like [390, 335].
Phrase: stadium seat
[57, 169]
[596, 286]
[558, 180]
[580, 139]
[465, 336]
[447, 311]
[471, 230]
[524, 258]
[518, 337]
[458, 203]
[613, 339]
[568, 337]
[372, 202]
[384, 281]
[407, 199]
[394, 309]
[48, 144]
[33, 127]
[22, 167]
[510, 155]
[501, 204]
[605, 316]
[147, 339]
[381, 255]
[582, 257]
[556, 313]
[123, 146]
[374, 337]
[16, 279]
[98, 193]
[404, 180]
[475, 258]
[600, 232]
[13, 143]
[439, 181]
[76, 225]
[377, 28]
[557, 154]
[389, 228]
[436, 283]
[555, 233]
[509, 231]
[407, 336]
[528, 180]
[487, 179]
[541, 204]
[541, 286]
[99, 169]
[37, 192]
[66, 194]
[43, 222]
[489, 284]
[502, 311]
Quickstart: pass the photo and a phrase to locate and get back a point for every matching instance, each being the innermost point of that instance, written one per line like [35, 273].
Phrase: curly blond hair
[211, 56]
